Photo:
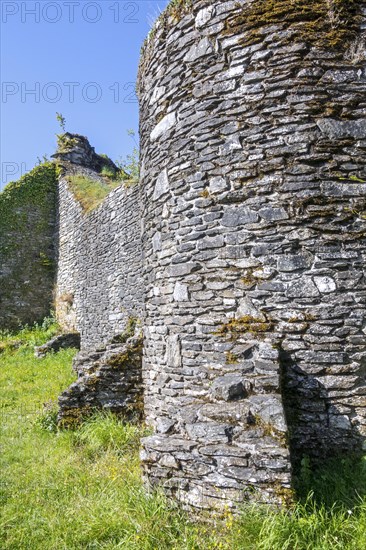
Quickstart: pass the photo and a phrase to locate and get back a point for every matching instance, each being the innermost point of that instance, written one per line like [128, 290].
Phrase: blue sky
[78, 58]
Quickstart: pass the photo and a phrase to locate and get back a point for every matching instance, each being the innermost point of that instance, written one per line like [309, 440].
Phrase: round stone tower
[253, 148]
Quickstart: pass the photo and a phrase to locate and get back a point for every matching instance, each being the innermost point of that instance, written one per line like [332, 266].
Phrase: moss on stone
[65, 143]
[249, 278]
[73, 418]
[243, 325]
[27, 218]
[324, 23]
[177, 9]
[286, 495]
[231, 358]
[205, 194]
[129, 331]
[129, 357]
[20, 200]
[270, 430]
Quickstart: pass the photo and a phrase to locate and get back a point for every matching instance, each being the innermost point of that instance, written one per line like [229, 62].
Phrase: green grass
[107, 172]
[66, 490]
[90, 193]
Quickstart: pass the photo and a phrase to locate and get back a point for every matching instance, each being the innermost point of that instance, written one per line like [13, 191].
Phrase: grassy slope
[82, 489]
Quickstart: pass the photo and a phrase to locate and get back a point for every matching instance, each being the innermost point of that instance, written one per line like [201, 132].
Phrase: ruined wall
[27, 227]
[99, 283]
[108, 379]
[253, 212]
[68, 243]
[253, 147]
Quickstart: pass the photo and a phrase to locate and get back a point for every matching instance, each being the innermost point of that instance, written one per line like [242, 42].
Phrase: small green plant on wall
[64, 141]
[108, 172]
[178, 8]
[131, 163]
[62, 121]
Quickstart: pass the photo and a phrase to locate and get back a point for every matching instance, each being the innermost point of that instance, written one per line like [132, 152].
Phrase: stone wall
[68, 293]
[27, 228]
[99, 290]
[242, 251]
[99, 282]
[253, 147]
[108, 379]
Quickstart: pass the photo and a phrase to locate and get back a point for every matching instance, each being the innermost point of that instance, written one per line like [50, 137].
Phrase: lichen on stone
[324, 23]
[244, 325]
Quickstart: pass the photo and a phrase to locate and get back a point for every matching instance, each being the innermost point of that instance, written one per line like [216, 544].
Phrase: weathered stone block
[228, 387]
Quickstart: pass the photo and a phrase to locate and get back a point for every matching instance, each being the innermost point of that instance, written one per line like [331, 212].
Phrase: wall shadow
[326, 447]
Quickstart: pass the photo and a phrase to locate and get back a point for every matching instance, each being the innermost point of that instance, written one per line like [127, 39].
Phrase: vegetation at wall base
[82, 489]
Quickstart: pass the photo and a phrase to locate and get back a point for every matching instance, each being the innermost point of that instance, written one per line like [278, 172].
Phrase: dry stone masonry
[108, 378]
[99, 289]
[253, 146]
[241, 253]
[99, 277]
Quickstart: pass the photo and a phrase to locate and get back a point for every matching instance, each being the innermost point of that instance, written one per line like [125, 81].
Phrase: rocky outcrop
[76, 150]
